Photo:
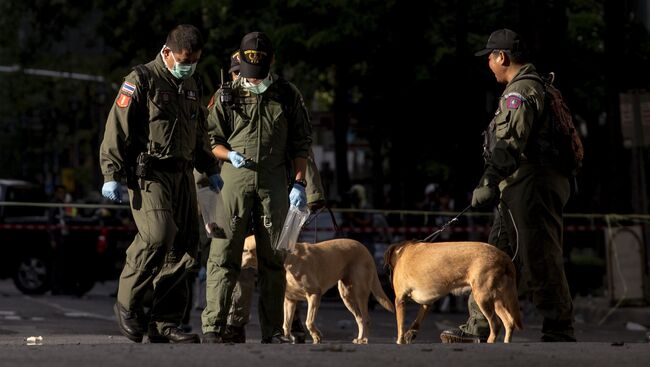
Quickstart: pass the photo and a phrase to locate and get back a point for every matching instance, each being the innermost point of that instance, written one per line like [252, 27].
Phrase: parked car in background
[46, 249]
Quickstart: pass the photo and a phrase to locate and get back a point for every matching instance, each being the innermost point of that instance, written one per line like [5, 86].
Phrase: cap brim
[483, 52]
[234, 68]
[254, 71]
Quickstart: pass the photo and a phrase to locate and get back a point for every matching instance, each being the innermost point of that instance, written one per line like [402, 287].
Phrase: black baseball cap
[503, 39]
[255, 55]
[234, 62]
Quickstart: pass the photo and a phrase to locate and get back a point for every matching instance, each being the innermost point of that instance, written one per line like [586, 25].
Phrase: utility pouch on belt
[143, 168]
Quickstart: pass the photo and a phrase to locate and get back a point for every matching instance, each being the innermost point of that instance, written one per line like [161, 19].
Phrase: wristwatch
[302, 182]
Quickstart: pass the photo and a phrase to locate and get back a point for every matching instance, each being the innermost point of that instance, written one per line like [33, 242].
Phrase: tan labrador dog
[425, 272]
[312, 269]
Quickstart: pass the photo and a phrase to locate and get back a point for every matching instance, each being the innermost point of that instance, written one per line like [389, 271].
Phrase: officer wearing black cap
[522, 176]
[234, 65]
[266, 122]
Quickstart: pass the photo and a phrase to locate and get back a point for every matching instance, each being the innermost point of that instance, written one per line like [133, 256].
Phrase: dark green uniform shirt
[265, 128]
[161, 115]
[520, 130]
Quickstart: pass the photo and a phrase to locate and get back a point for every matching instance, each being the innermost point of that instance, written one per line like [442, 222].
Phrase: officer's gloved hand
[112, 190]
[485, 196]
[237, 159]
[298, 196]
[203, 274]
[216, 182]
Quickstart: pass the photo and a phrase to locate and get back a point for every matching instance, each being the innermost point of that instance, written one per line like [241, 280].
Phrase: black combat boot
[557, 338]
[130, 323]
[456, 335]
[154, 336]
[212, 337]
[277, 338]
[297, 330]
[172, 335]
[557, 331]
[235, 334]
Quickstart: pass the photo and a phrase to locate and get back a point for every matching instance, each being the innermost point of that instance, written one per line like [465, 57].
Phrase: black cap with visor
[502, 39]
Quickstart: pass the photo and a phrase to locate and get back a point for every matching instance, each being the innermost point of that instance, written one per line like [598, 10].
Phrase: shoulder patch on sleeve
[123, 100]
[514, 100]
[127, 88]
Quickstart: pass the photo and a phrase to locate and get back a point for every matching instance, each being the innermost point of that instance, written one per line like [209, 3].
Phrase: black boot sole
[186, 341]
[157, 339]
[450, 339]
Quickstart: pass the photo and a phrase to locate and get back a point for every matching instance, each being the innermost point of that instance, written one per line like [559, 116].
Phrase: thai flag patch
[128, 88]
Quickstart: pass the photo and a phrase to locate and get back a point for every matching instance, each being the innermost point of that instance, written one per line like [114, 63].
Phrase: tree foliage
[401, 74]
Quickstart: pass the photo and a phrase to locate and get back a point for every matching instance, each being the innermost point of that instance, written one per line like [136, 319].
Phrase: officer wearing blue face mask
[155, 135]
[180, 71]
[265, 123]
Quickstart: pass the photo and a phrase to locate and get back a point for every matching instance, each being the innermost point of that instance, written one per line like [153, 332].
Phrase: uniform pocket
[162, 117]
[502, 126]
[277, 130]
[162, 106]
[159, 133]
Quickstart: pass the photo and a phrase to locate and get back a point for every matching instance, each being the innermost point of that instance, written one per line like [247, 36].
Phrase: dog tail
[379, 294]
[514, 306]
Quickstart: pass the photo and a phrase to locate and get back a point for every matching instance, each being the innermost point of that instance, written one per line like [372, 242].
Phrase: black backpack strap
[199, 85]
[146, 83]
[146, 86]
[284, 93]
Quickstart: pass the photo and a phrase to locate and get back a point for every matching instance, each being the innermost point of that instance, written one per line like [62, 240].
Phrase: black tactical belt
[171, 165]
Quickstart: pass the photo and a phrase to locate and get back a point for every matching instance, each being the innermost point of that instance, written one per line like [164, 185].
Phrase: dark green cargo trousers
[157, 260]
[535, 195]
[265, 208]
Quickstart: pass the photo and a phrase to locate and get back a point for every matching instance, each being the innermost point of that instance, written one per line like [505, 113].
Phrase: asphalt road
[82, 331]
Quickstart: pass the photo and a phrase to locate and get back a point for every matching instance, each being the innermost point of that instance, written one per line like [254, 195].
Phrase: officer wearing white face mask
[265, 123]
[155, 136]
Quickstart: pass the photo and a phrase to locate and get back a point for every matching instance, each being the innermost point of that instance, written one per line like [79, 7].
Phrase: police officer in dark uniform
[155, 135]
[253, 137]
[522, 165]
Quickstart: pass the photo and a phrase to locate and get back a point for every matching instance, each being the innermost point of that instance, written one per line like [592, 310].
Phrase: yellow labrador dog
[425, 272]
[312, 269]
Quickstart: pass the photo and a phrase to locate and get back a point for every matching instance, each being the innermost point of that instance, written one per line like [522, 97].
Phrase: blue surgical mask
[259, 88]
[181, 71]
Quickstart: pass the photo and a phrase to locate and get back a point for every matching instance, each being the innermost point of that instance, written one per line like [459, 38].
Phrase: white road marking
[70, 312]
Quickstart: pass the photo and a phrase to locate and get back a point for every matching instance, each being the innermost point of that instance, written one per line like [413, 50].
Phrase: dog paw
[410, 335]
[360, 341]
[315, 339]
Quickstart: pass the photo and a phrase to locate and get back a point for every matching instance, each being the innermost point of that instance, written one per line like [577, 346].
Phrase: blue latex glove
[298, 196]
[112, 190]
[236, 159]
[216, 182]
[203, 274]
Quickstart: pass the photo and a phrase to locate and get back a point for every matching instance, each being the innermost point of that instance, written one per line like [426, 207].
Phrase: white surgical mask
[180, 71]
[259, 88]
